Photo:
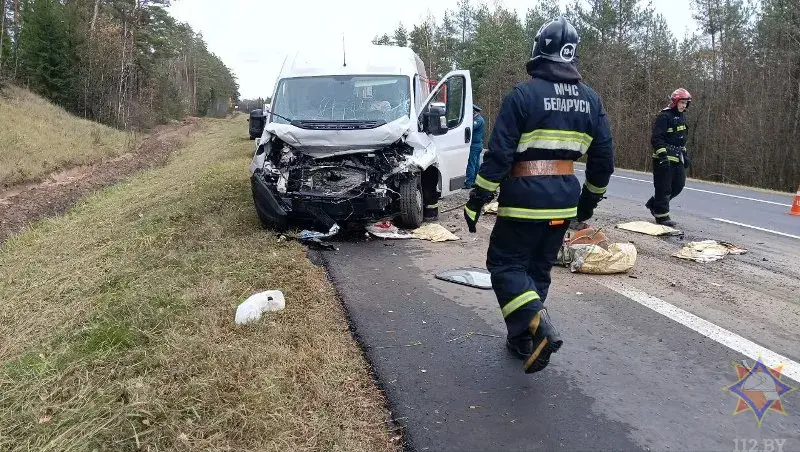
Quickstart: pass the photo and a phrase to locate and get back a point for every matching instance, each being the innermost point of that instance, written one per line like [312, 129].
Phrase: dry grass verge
[37, 138]
[118, 334]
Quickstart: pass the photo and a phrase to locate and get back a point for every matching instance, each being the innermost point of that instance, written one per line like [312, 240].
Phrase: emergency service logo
[568, 52]
[759, 389]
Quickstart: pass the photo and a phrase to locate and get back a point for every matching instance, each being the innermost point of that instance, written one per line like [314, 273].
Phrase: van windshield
[343, 98]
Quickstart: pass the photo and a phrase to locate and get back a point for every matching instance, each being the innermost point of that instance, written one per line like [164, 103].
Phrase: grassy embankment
[118, 333]
[37, 138]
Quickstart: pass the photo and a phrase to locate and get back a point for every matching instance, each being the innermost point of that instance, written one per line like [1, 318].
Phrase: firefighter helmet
[556, 40]
[679, 95]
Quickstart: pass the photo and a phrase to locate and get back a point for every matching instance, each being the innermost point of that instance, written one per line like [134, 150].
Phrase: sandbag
[589, 251]
[618, 258]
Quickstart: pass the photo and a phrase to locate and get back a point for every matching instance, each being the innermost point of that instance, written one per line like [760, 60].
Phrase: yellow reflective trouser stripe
[486, 184]
[660, 215]
[518, 302]
[537, 214]
[669, 157]
[555, 139]
[470, 213]
[594, 188]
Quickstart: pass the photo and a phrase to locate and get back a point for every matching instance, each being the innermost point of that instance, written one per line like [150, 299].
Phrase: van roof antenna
[344, 53]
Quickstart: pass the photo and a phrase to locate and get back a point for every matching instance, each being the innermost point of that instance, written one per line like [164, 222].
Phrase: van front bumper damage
[323, 175]
[280, 210]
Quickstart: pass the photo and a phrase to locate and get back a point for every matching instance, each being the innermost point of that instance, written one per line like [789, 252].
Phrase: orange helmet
[679, 95]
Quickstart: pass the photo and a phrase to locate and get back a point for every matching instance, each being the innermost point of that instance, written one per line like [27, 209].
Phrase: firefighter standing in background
[670, 159]
[476, 148]
[543, 126]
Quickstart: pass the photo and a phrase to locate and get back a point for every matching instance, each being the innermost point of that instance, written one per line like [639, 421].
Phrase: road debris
[470, 276]
[648, 228]
[617, 258]
[473, 333]
[387, 230]
[255, 305]
[589, 251]
[434, 232]
[307, 234]
[413, 344]
[309, 237]
[707, 251]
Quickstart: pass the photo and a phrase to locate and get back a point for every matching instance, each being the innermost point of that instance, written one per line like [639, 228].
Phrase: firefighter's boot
[430, 212]
[546, 341]
[666, 221]
[521, 346]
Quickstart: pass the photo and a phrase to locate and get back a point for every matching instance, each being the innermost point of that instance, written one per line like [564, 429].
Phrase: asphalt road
[716, 202]
[647, 355]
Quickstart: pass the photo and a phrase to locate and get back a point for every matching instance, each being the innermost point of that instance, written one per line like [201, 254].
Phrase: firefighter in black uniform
[543, 126]
[670, 158]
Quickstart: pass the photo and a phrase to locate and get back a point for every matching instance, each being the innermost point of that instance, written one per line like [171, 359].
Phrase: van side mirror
[435, 122]
[257, 121]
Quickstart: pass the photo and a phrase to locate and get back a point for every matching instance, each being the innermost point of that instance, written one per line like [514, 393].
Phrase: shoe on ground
[430, 214]
[546, 341]
[521, 346]
[666, 221]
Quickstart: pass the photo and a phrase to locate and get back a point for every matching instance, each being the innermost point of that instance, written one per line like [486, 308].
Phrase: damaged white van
[356, 135]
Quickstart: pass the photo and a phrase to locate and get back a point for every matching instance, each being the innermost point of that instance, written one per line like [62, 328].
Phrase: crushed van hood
[326, 143]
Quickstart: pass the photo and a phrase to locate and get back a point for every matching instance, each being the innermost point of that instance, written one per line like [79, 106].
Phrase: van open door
[454, 92]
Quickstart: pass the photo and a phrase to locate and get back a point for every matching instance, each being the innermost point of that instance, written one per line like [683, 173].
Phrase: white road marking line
[729, 339]
[706, 191]
[756, 227]
[740, 197]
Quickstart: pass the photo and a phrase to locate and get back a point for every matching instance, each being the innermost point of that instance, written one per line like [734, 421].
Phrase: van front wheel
[411, 203]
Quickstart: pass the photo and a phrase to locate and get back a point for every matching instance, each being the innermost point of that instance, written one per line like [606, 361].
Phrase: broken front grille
[327, 180]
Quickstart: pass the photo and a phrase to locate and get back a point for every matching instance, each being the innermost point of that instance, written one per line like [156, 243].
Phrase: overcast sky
[252, 37]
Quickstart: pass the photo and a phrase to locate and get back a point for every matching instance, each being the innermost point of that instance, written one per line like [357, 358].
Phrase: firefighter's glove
[663, 160]
[686, 163]
[478, 197]
[586, 205]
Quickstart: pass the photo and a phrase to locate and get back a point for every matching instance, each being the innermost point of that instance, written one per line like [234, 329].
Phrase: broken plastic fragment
[306, 234]
[252, 308]
[472, 277]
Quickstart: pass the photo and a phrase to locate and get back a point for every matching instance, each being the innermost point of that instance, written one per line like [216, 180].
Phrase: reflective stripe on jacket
[546, 120]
